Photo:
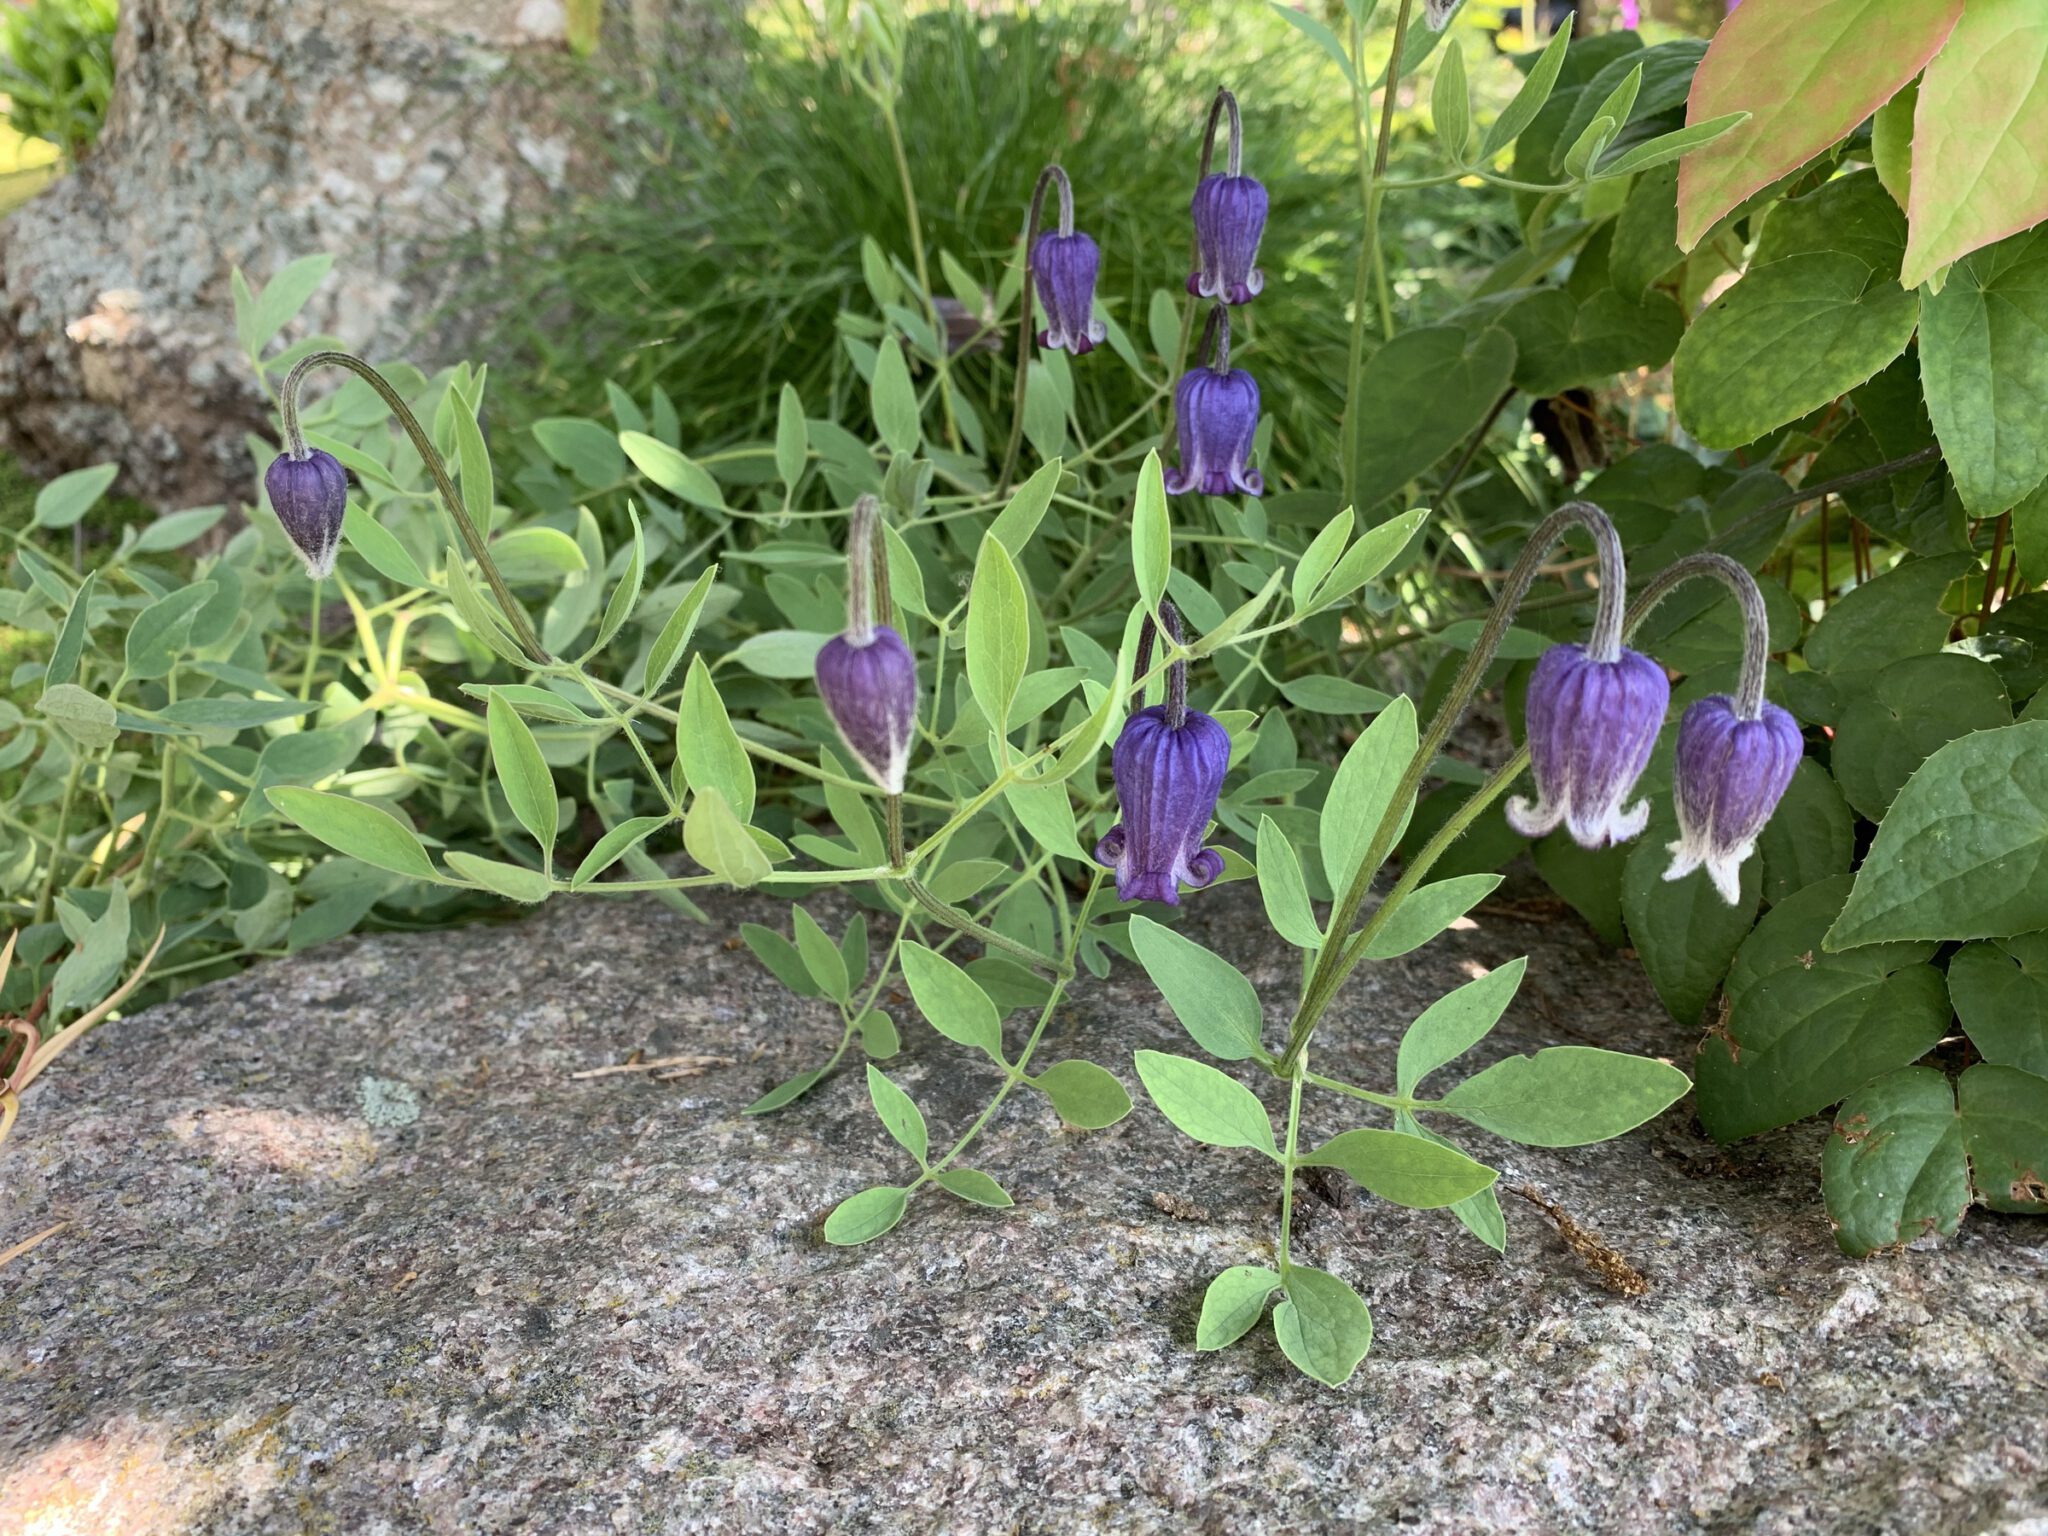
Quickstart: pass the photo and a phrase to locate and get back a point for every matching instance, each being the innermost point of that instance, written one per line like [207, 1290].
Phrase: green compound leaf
[1811, 837]
[1685, 933]
[1206, 1103]
[951, 1000]
[1454, 1023]
[1376, 549]
[2005, 1132]
[1806, 1027]
[1427, 912]
[1151, 534]
[1963, 852]
[1895, 717]
[71, 638]
[1083, 1094]
[2000, 992]
[159, 632]
[822, 958]
[974, 1186]
[895, 399]
[900, 1117]
[523, 773]
[1818, 311]
[85, 717]
[1283, 889]
[1315, 564]
[1363, 789]
[1566, 1095]
[1233, 1305]
[1894, 1170]
[1025, 510]
[675, 634]
[998, 631]
[1323, 1326]
[785, 1093]
[1984, 363]
[1212, 1000]
[1979, 124]
[69, 497]
[1807, 75]
[514, 881]
[610, 848]
[863, 1217]
[356, 828]
[1407, 1170]
[708, 748]
[1423, 394]
[673, 470]
[719, 840]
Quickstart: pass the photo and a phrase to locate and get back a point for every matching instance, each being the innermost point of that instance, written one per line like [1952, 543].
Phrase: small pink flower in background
[1632, 13]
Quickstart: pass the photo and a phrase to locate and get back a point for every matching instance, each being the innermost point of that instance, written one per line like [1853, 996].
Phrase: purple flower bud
[1215, 415]
[1591, 727]
[1230, 215]
[1064, 267]
[1167, 780]
[1729, 776]
[870, 691]
[310, 495]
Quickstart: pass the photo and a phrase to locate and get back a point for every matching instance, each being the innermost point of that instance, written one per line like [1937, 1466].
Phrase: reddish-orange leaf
[1807, 71]
[1980, 136]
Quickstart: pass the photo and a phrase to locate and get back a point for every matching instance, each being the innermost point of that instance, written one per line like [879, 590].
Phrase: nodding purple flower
[309, 493]
[1230, 215]
[1063, 266]
[869, 685]
[1169, 765]
[867, 676]
[1215, 416]
[1730, 774]
[1167, 779]
[1592, 724]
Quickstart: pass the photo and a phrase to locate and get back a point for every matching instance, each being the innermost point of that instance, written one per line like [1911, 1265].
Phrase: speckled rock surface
[350, 1249]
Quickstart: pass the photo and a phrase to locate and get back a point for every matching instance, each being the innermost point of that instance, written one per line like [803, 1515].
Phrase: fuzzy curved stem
[1756, 623]
[472, 538]
[1324, 978]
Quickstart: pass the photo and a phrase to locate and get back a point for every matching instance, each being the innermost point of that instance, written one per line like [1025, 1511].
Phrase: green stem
[312, 648]
[1015, 1074]
[917, 261]
[960, 922]
[295, 445]
[1296, 1073]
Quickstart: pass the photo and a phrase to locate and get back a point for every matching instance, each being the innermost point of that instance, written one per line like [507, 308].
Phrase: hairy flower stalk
[1229, 211]
[1216, 415]
[309, 492]
[1736, 758]
[296, 452]
[1168, 763]
[1593, 713]
[867, 675]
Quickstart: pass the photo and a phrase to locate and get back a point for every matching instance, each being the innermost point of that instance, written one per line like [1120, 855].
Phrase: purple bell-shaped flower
[1731, 771]
[867, 676]
[309, 493]
[1215, 416]
[1169, 765]
[1063, 267]
[1230, 216]
[1592, 724]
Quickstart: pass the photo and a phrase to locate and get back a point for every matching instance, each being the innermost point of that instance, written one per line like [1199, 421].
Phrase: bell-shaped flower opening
[310, 496]
[1215, 415]
[1063, 267]
[1728, 778]
[1592, 725]
[869, 686]
[1230, 216]
[1167, 780]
